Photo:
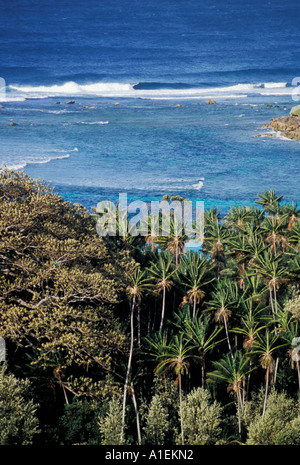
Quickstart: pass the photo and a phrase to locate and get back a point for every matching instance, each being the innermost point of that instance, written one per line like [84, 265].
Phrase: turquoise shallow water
[147, 73]
[148, 149]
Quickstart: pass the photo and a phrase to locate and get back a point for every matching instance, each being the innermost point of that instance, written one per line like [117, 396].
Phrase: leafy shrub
[18, 413]
[265, 429]
[201, 418]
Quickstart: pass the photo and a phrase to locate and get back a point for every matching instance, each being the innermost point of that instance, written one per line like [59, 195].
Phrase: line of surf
[20, 165]
[147, 90]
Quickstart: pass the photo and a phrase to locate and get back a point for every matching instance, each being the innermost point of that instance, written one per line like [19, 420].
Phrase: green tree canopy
[60, 281]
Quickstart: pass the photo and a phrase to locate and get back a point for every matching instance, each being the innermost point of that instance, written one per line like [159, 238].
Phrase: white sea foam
[199, 185]
[275, 134]
[72, 88]
[14, 167]
[274, 85]
[278, 135]
[57, 112]
[47, 160]
[4, 99]
[128, 90]
[20, 165]
[198, 96]
[95, 122]
[75, 149]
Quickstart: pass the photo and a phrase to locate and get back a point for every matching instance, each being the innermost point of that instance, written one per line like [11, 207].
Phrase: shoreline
[287, 126]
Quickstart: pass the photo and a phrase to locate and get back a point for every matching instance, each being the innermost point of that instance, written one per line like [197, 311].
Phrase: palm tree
[245, 248]
[256, 289]
[116, 223]
[265, 347]
[202, 338]
[238, 217]
[249, 246]
[120, 379]
[211, 217]
[138, 284]
[256, 216]
[173, 240]
[215, 239]
[192, 274]
[250, 326]
[269, 201]
[233, 371]
[294, 236]
[153, 227]
[291, 336]
[176, 357]
[293, 266]
[250, 323]
[274, 273]
[162, 273]
[291, 213]
[274, 233]
[222, 302]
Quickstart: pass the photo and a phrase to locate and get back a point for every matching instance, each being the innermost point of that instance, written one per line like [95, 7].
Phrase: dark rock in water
[13, 124]
[70, 102]
[1, 106]
[210, 102]
[288, 126]
[56, 103]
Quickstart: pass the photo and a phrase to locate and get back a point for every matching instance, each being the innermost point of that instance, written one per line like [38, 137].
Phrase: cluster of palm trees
[217, 315]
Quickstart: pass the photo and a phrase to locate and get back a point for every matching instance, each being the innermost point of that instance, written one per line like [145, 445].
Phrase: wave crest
[148, 90]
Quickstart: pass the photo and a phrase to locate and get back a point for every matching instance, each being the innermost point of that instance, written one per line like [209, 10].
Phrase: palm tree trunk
[128, 368]
[227, 337]
[180, 407]
[203, 373]
[276, 369]
[275, 301]
[163, 309]
[274, 246]
[137, 415]
[266, 393]
[248, 382]
[194, 308]
[271, 300]
[239, 410]
[139, 326]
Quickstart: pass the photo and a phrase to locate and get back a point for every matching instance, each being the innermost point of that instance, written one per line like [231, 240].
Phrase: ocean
[110, 97]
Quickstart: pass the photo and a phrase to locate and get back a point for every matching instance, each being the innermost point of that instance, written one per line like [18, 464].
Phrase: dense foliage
[139, 340]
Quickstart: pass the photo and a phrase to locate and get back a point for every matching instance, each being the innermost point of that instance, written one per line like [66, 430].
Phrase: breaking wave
[147, 90]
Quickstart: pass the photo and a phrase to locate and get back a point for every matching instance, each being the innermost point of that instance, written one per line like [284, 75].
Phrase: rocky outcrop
[210, 102]
[288, 126]
[295, 111]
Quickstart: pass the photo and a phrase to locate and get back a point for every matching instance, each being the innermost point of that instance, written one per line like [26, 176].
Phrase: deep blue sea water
[140, 73]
